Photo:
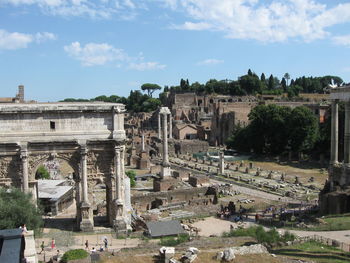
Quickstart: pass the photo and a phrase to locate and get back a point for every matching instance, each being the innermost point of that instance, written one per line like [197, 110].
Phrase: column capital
[83, 150]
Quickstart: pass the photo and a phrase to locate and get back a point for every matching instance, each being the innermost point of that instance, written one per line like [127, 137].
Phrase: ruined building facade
[335, 197]
[90, 137]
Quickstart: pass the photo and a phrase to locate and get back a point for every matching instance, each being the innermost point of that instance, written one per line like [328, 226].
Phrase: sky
[85, 48]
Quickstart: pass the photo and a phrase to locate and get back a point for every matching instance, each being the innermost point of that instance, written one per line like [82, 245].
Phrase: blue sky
[85, 48]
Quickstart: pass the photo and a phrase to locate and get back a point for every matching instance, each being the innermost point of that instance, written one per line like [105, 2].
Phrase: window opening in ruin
[52, 125]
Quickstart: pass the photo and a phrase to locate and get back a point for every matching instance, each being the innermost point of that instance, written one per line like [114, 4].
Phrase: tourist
[93, 250]
[106, 242]
[87, 244]
[42, 246]
[23, 227]
[53, 244]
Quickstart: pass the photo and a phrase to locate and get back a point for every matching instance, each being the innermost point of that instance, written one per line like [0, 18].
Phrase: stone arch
[36, 160]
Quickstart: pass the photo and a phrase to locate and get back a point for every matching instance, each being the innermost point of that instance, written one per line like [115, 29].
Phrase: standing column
[122, 169]
[334, 132]
[117, 164]
[159, 127]
[24, 159]
[170, 126]
[87, 220]
[165, 140]
[222, 163]
[347, 134]
[84, 174]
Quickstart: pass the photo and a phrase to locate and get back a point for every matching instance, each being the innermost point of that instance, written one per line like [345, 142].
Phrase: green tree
[262, 77]
[268, 128]
[132, 175]
[250, 84]
[271, 83]
[302, 129]
[17, 208]
[150, 88]
[286, 76]
[293, 91]
[284, 84]
[42, 173]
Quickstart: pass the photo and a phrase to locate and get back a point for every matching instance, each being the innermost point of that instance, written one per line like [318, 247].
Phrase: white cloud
[266, 21]
[125, 9]
[142, 66]
[44, 36]
[15, 40]
[209, 61]
[342, 40]
[95, 54]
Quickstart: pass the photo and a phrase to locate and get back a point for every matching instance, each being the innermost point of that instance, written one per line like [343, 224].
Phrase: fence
[327, 241]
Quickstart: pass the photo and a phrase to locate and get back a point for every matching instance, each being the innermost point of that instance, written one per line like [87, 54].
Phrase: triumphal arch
[90, 137]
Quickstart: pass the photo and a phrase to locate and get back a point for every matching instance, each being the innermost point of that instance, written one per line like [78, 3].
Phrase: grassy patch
[314, 251]
[173, 241]
[74, 254]
[327, 223]
[261, 235]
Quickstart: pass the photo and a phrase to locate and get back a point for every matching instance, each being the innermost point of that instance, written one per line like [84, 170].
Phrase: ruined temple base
[120, 226]
[165, 184]
[86, 225]
[336, 202]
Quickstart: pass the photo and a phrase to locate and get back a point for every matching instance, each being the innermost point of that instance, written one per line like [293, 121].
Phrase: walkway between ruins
[206, 229]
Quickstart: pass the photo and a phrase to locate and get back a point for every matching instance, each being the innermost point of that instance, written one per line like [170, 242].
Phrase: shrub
[42, 173]
[74, 254]
[131, 174]
[261, 235]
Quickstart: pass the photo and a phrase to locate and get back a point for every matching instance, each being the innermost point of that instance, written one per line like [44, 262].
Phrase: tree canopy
[150, 88]
[136, 102]
[275, 129]
[17, 208]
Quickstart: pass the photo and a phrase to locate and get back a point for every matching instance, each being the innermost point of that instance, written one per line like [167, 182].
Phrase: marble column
[25, 177]
[222, 163]
[334, 132]
[165, 171]
[159, 126]
[84, 180]
[87, 221]
[122, 170]
[165, 140]
[117, 165]
[119, 223]
[170, 126]
[347, 134]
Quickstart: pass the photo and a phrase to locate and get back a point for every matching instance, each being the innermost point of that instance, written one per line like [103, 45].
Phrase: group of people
[227, 211]
[101, 249]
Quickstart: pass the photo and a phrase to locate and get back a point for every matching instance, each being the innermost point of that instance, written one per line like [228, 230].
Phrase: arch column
[334, 132]
[24, 160]
[87, 221]
[119, 223]
[159, 126]
[170, 126]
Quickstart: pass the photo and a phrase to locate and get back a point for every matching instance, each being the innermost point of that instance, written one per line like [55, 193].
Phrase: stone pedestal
[119, 223]
[86, 223]
[166, 171]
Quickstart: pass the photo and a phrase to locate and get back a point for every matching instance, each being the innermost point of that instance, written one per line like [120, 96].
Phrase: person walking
[106, 242]
[87, 244]
[53, 245]
[42, 246]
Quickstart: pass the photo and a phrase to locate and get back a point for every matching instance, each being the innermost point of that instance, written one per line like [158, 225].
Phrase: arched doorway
[58, 188]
